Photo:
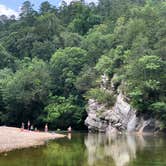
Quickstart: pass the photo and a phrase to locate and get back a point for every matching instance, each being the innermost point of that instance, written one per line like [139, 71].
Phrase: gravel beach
[13, 138]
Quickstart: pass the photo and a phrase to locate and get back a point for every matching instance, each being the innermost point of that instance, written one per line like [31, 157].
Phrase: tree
[45, 7]
[3, 19]
[52, 57]
[47, 26]
[43, 50]
[86, 79]
[25, 92]
[6, 60]
[71, 39]
[27, 14]
[62, 112]
[26, 9]
[144, 85]
[96, 44]
[66, 65]
[110, 62]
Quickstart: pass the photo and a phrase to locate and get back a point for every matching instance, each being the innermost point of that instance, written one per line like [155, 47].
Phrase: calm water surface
[93, 150]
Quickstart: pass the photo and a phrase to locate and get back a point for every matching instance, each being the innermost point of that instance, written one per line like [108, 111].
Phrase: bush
[102, 96]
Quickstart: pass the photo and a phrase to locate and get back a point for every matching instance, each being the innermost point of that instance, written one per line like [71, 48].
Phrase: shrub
[102, 96]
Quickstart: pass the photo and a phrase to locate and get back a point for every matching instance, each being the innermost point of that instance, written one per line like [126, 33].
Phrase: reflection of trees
[65, 153]
[120, 148]
[93, 150]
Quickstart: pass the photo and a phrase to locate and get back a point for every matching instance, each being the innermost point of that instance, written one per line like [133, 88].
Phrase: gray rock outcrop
[121, 117]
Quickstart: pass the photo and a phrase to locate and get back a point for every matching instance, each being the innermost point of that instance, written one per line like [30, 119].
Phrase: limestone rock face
[122, 117]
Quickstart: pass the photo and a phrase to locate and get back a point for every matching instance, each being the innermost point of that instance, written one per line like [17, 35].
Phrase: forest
[52, 59]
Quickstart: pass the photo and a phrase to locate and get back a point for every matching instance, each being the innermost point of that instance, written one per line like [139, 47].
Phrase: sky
[10, 7]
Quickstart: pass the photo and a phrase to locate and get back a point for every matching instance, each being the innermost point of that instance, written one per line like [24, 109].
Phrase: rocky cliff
[120, 117]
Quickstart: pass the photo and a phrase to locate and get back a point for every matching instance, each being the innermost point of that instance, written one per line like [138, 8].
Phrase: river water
[93, 150]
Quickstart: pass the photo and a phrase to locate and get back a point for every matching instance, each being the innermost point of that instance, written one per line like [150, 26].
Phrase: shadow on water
[82, 149]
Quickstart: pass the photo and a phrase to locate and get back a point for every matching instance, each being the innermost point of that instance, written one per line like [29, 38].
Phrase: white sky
[4, 10]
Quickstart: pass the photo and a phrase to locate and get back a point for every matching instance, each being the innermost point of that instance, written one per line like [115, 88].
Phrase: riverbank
[13, 138]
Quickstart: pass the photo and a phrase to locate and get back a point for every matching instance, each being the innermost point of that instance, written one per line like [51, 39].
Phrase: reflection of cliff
[121, 148]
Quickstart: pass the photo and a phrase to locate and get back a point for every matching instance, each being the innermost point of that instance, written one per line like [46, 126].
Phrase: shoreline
[12, 138]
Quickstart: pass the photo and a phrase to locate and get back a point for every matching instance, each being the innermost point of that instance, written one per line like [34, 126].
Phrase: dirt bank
[13, 138]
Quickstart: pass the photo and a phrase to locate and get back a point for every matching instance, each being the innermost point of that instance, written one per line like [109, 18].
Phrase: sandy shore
[13, 138]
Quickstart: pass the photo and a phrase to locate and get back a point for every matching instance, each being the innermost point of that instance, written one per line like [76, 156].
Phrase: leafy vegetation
[102, 96]
[52, 58]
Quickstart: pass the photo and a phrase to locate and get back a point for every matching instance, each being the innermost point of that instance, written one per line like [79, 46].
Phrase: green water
[93, 150]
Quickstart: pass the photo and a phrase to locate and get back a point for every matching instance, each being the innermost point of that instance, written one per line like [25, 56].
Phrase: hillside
[52, 60]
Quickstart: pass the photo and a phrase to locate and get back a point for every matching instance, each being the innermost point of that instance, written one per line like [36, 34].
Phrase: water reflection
[79, 149]
[121, 148]
[69, 136]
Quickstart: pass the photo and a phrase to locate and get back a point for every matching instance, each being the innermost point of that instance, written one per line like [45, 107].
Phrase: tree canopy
[51, 60]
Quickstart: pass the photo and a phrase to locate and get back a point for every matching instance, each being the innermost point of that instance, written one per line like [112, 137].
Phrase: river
[82, 149]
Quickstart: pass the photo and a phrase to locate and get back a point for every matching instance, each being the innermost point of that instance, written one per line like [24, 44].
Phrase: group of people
[31, 127]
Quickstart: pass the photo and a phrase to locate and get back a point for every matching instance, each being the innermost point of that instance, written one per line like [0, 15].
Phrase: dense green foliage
[52, 58]
[101, 96]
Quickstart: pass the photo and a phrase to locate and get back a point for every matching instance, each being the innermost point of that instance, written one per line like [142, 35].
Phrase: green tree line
[51, 60]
